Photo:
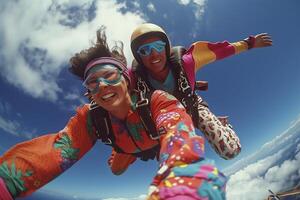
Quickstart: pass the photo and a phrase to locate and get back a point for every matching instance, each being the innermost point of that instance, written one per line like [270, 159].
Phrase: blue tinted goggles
[145, 50]
[108, 74]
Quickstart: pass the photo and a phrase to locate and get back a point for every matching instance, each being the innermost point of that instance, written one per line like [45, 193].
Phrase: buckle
[108, 141]
[155, 137]
[93, 105]
[141, 103]
[161, 131]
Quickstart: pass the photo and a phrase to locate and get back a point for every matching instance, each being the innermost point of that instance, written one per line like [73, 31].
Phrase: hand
[111, 158]
[262, 40]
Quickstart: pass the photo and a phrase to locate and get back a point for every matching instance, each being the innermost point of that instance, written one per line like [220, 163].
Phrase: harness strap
[143, 108]
[103, 128]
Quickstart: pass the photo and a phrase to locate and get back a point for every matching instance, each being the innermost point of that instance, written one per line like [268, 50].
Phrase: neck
[162, 75]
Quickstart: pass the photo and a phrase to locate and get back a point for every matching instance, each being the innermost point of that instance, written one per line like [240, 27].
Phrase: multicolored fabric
[221, 137]
[29, 165]
[202, 53]
[183, 169]
[200, 181]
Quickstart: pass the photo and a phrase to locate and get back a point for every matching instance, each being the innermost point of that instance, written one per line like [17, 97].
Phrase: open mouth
[107, 97]
[155, 61]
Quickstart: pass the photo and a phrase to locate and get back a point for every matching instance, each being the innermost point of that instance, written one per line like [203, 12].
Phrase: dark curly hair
[100, 49]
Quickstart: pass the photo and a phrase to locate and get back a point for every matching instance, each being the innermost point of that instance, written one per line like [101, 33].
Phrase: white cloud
[288, 138]
[248, 184]
[5, 107]
[136, 4]
[184, 2]
[74, 97]
[200, 6]
[151, 7]
[37, 40]
[9, 126]
[275, 166]
[14, 128]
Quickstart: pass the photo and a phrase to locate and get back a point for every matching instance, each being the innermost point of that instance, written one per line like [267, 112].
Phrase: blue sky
[258, 89]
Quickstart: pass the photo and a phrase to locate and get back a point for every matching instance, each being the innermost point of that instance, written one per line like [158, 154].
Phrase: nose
[101, 85]
[154, 52]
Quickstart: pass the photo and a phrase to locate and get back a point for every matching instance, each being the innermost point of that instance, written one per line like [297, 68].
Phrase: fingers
[262, 34]
[265, 39]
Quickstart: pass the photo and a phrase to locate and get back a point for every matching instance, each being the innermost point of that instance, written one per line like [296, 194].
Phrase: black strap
[149, 153]
[184, 93]
[143, 108]
[103, 128]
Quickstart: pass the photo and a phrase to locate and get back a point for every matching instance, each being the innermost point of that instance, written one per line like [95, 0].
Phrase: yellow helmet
[145, 31]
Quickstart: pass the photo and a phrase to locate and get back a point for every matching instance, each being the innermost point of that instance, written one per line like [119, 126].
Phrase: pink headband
[105, 60]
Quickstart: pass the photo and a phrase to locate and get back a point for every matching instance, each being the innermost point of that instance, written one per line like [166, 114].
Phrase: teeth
[108, 96]
[155, 61]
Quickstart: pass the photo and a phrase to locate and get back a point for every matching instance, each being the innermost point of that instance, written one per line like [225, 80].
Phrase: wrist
[250, 41]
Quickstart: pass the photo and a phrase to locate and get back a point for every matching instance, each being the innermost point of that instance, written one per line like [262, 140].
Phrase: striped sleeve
[204, 52]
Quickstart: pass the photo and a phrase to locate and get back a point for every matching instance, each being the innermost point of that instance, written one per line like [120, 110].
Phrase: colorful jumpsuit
[221, 136]
[183, 169]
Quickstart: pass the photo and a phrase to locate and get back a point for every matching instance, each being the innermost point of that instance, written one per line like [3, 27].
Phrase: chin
[117, 104]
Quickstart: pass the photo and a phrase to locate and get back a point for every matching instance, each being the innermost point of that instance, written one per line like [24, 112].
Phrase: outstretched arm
[184, 172]
[203, 52]
[29, 165]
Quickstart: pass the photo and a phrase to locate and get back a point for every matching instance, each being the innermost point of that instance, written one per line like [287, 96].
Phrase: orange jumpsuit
[182, 168]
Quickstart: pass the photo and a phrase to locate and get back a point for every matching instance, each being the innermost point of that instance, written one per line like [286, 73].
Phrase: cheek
[144, 59]
[164, 55]
[122, 86]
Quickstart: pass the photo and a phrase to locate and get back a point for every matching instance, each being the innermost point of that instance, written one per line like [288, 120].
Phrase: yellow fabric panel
[202, 54]
[240, 46]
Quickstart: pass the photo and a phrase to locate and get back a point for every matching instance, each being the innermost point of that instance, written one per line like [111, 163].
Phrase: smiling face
[108, 88]
[156, 61]
[113, 97]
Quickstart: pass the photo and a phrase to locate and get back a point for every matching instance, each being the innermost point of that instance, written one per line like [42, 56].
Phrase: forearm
[184, 170]
[180, 146]
[29, 165]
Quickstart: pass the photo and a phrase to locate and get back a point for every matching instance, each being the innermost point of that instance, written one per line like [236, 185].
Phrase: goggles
[145, 50]
[105, 73]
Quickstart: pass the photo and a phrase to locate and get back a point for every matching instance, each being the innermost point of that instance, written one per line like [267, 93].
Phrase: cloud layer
[37, 40]
[275, 167]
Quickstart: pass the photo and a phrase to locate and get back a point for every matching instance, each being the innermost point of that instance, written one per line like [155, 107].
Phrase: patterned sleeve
[29, 165]
[179, 133]
[183, 170]
[202, 52]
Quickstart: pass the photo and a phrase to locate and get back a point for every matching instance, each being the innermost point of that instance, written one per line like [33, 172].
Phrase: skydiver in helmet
[184, 172]
[158, 65]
